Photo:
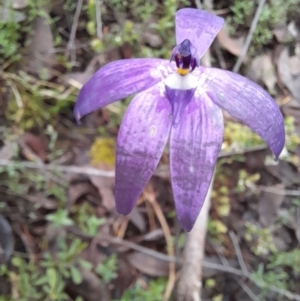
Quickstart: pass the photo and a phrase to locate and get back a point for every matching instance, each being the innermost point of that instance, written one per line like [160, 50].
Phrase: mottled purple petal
[248, 102]
[199, 26]
[142, 138]
[194, 147]
[118, 80]
[179, 99]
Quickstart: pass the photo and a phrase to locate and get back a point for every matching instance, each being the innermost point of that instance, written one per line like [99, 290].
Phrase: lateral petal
[247, 102]
[118, 80]
[142, 138]
[194, 147]
[198, 26]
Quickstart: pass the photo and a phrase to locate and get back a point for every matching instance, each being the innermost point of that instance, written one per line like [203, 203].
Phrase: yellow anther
[183, 71]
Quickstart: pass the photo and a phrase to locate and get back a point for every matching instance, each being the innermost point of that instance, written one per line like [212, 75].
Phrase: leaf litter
[87, 201]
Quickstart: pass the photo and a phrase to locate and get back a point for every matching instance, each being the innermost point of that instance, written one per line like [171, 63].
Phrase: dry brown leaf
[76, 191]
[232, 45]
[280, 243]
[291, 81]
[148, 265]
[282, 34]
[42, 201]
[78, 79]
[105, 189]
[149, 34]
[154, 235]
[40, 50]
[125, 278]
[137, 219]
[262, 68]
[285, 172]
[91, 288]
[35, 144]
[269, 204]
[92, 254]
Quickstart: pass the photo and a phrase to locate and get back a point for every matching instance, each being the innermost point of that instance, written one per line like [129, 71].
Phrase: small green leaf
[75, 275]
[52, 277]
[85, 264]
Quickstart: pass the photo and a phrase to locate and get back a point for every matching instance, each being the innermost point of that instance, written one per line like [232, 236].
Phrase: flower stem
[190, 281]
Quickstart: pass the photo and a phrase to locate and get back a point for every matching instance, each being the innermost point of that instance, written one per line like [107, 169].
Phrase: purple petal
[178, 99]
[118, 80]
[142, 138]
[194, 147]
[247, 102]
[198, 26]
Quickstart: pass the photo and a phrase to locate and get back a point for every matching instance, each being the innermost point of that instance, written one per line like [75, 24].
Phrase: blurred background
[60, 236]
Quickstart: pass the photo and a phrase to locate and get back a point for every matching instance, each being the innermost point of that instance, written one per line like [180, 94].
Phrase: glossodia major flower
[182, 100]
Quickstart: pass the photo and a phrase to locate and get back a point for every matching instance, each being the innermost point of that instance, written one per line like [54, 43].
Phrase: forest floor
[60, 235]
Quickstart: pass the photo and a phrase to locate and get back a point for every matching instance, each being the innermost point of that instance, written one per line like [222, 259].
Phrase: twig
[238, 253]
[205, 263]
[144, 250]
[59, 168]
[219, 53]
[159, 213]
[298, 225]
[243, 266]
[37, 160]
[16, 93]
[246, 273]
[247, 290]
[253, 26]
[99, 19]
[162, 170]
[70, 46]
[256, 188]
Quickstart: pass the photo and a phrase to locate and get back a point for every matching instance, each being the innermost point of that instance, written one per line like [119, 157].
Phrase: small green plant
[221, 201]
[35, 102]
[218, 297]
[289, 259]
[266, 279]
[292, 138]
[238, 137]
[46, 279]
[260, 238]
[273, 12]
[246, 180]
[9, 41]
[216, 228]
[210, 283]
[179, 241]
[108, 269]
[60, 218]
[152, 293]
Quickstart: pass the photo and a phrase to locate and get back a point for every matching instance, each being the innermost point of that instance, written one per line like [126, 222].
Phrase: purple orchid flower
[182, 100]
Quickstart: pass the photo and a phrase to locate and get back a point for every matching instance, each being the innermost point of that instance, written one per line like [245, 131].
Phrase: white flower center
[186, 82]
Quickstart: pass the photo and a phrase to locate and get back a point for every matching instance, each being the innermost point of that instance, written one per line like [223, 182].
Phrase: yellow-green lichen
[103, 151]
